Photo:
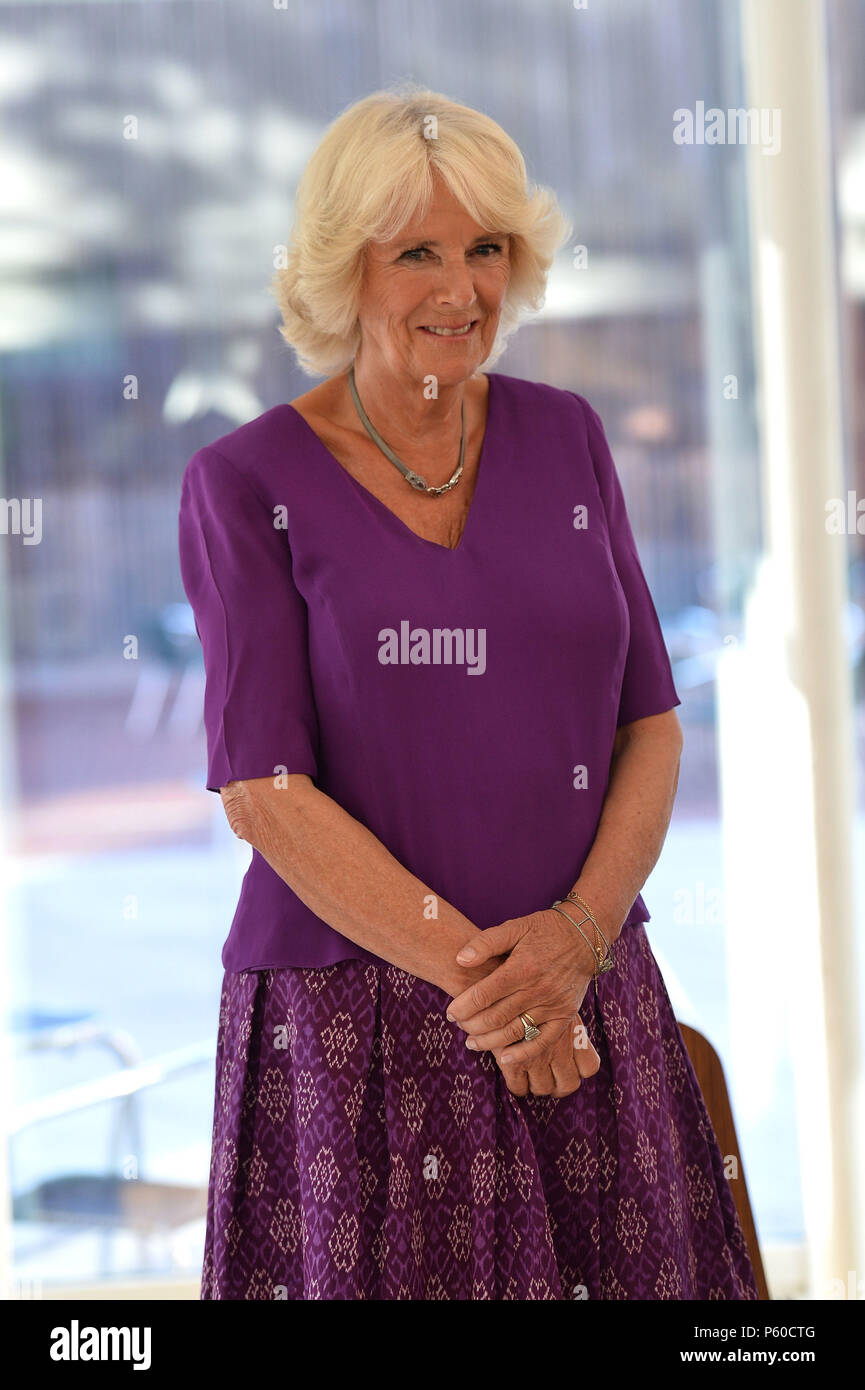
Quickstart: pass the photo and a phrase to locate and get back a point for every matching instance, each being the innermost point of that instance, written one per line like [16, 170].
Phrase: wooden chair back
[710, 1074]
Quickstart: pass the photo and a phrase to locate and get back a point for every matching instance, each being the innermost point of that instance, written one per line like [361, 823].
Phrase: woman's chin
[451, 367]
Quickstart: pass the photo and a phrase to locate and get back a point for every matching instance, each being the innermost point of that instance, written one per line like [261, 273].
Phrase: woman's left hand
[548, 969]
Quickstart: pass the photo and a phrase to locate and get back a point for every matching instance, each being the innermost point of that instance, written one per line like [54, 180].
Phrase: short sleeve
[647, 684]
[259, 710]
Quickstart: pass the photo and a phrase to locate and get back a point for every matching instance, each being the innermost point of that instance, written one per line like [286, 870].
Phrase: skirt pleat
[361, 1151]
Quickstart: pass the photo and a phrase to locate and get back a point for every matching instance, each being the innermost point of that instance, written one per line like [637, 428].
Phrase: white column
[785, 693]
[8, 792]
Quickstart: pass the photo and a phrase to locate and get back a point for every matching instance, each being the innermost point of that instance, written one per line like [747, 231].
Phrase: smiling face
[445, 271]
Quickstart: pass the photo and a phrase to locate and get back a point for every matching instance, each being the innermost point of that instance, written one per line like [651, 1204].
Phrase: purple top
[461, 704]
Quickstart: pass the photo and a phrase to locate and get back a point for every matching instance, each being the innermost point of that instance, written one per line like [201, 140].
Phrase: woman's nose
[456, 286]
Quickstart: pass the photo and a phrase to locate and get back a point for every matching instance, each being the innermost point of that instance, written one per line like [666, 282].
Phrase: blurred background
[150, 156]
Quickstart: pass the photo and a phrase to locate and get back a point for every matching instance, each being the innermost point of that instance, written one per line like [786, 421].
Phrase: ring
[530, 1028]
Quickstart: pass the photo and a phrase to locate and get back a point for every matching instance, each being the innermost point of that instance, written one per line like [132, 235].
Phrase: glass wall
[151, 155]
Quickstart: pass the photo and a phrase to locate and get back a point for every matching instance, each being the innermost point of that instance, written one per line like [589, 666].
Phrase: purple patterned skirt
[361, 1151]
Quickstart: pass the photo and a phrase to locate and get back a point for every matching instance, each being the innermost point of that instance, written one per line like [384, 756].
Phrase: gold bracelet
[575, 897]
[609, 959]
[592, 948]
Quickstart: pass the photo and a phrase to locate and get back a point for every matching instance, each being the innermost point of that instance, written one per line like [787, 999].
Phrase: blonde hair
[370, 174]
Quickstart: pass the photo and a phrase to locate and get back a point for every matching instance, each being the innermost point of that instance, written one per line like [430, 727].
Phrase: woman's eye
[414, 253]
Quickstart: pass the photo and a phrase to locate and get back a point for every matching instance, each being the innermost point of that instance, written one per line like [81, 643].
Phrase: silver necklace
[410, 476]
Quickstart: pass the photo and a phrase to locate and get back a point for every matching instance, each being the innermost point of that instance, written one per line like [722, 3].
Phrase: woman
[440, 710]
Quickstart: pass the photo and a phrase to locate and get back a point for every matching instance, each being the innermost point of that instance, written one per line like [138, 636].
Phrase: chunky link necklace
[410, 476]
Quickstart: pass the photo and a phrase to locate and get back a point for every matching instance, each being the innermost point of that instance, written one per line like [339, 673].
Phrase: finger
[585, 1054]
[507, 979]
[516, 1080]
[525, 1053]
[525, 1000]
[541, 1079]
[566, 1072]
[502, 1014]
[512, 1032]
[494, 941]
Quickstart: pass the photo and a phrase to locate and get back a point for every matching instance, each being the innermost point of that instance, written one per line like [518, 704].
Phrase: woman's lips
[430, 330]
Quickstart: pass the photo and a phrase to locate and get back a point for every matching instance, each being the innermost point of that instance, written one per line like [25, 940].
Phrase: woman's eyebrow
[410, 241]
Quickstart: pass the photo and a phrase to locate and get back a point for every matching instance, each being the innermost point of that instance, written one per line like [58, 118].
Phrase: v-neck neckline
[377, 502]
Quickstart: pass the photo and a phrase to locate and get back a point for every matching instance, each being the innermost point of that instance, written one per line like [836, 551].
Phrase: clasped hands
[541, 966]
